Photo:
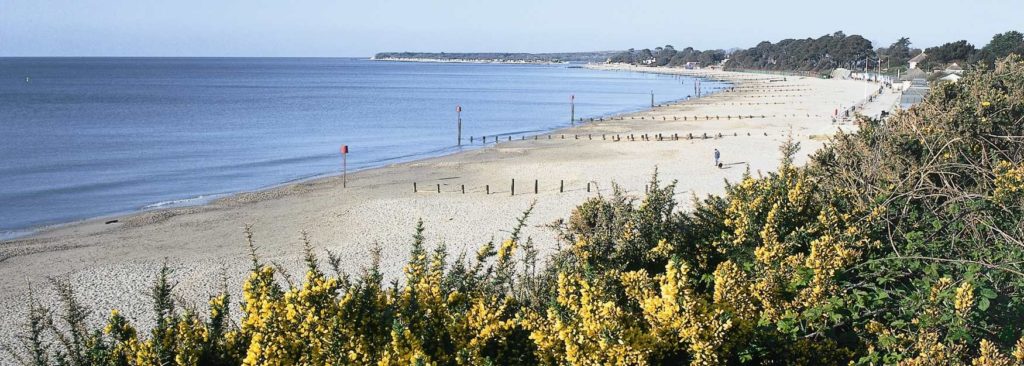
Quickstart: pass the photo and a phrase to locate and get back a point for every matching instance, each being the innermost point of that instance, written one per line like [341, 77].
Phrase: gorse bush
[900, 244]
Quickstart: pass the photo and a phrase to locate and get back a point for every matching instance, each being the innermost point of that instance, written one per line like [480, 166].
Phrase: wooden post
[463, 189]
[439, 188]
[344, 166]
[535, 186]
[652, 98]
[572, 109]
[588, 187]
[513, 186]
[561, 186]
[458, 113]
[488, 187]
[413, 187]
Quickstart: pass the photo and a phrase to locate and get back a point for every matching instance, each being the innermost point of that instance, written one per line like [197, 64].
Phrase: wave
[198, 200]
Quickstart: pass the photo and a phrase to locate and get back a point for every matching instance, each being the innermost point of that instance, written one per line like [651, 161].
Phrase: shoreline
[113, 264]
[28, 233]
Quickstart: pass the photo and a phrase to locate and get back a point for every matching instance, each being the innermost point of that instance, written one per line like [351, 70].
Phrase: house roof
[913, 74]
[951, 77]
[920, 57]
[914, 95]
[954, 66]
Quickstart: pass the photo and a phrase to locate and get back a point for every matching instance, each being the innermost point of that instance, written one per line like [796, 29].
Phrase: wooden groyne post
[344, 166]
[458, 114]
[572, 109]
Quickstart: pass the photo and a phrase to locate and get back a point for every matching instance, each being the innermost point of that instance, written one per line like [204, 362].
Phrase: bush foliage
[899, 244]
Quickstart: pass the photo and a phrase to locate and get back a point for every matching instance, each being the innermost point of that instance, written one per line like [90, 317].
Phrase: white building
[951, 78]
[953, 68]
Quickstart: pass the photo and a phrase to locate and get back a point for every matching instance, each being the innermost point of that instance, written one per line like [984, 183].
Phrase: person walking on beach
[718, 155]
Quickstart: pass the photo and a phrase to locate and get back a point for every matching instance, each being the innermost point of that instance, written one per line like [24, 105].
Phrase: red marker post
[344, 166]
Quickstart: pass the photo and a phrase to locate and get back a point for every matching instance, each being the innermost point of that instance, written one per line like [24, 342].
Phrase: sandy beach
[112, 265]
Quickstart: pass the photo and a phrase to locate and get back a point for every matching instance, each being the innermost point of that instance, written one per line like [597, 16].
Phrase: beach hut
[914, 94]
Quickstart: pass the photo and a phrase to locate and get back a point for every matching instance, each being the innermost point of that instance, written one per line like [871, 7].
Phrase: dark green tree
[940, 56]
[899, 52]
[1002, 45]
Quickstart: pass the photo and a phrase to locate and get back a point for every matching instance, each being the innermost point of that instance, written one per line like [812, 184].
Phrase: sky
[351, 28]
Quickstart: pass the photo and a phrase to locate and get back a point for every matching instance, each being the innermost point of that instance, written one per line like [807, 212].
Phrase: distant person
[718, 155]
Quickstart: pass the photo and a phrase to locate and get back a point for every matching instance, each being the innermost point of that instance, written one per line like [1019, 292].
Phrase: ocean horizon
[92, 137]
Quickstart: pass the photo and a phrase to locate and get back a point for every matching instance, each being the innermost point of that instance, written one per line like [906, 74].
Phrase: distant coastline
[467, 61]
[497, 57]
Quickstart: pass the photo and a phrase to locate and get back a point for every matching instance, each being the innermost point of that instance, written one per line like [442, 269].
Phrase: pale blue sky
[362, 28]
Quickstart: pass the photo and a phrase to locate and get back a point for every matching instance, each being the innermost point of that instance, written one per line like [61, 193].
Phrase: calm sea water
[88, 137]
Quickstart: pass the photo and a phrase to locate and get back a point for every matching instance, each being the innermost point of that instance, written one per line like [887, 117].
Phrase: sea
[84, 138]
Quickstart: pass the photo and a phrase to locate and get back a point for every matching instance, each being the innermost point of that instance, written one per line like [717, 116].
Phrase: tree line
[965, 53]
[830, 51]
[668, 56]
